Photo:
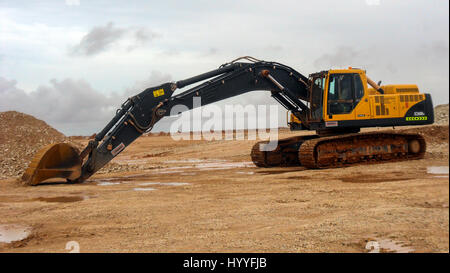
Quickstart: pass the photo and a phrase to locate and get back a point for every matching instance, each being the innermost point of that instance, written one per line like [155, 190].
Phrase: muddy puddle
[363, 179]
[388, 245]
[440, 171]
[188, 174]
[56, 199]
[284, 170]
[61, 199]
[164, 183]
[12, 232]
[107, 183]
[205, 165]
[132, 161]
[223, 165]
[192, 160]
[136, 179]
[249, 173]
[144, 189]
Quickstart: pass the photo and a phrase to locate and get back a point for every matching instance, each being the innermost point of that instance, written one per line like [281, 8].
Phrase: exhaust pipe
[374, 85]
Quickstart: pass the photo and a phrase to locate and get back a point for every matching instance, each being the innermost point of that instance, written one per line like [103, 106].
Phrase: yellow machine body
[364, 106]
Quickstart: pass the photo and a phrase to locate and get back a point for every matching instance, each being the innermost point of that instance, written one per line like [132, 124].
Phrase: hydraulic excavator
[334, 103]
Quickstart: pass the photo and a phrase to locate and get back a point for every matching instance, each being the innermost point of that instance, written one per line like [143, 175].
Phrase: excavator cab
[345, 100]
[334, 94]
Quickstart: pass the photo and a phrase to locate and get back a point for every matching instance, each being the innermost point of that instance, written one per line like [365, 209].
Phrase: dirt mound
[21, 136]
[433, 134]
[441, 114]
[436, 136]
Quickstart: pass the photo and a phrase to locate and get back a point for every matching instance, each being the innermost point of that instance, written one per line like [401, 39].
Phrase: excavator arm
[139, 114]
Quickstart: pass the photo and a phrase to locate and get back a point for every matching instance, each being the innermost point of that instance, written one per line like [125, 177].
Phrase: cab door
[345, 91]
[316, 101]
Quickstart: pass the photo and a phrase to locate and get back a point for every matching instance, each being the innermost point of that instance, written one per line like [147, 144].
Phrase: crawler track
[285, 152]
[339, 151]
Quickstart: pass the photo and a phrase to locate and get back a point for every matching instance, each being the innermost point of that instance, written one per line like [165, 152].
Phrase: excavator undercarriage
[316, 152]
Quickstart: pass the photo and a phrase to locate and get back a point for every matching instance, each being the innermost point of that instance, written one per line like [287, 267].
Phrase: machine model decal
[118, 149]
[331, 123]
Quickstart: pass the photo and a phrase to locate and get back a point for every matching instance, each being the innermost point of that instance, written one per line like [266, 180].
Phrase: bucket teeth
[59, 160]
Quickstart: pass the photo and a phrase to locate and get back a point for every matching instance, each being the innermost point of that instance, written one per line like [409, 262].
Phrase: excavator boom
[139, 114]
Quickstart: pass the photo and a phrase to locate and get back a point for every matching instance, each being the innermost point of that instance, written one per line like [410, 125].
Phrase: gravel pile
[21, 136]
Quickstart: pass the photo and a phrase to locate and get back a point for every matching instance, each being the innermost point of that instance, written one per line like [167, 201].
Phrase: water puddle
[373, 179]
[132, 176]
[387, 245]
[188, 174]
[437, 170]
[132, 161]
[105, 183]
[223, 165]
[201, 165]
[144, 189]
[192, 160]
[168, 172]
[245, 172]
[12, 233]
[285, 170]
[165, 183]
[61, 199]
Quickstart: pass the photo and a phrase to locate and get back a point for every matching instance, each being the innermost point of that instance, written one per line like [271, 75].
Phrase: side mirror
[379, 83]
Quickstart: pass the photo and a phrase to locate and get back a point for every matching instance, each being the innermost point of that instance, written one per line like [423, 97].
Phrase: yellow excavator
[334, 103]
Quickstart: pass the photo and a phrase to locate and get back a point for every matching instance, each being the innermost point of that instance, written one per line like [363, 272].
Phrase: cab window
[359, 89]
[344, 93]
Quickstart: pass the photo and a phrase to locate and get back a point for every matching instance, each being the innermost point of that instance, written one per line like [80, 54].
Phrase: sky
[73, 62]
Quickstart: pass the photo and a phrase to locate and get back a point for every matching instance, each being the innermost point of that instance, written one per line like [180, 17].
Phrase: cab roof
[337, 71]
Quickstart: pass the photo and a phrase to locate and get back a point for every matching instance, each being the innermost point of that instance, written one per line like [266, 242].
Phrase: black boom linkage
[139, 113]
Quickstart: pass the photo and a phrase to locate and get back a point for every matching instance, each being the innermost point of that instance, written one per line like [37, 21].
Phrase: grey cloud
[343, 56]
[102, 38]
[98, 40]
[72, 106]
[142, 36]
[211, 51]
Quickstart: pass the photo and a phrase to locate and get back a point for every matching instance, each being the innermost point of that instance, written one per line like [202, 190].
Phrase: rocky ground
[161, 195]
[441, 114]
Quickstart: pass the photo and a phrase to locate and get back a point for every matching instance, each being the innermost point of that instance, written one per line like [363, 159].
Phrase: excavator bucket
[59, 160]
